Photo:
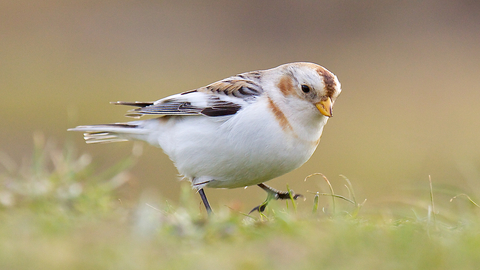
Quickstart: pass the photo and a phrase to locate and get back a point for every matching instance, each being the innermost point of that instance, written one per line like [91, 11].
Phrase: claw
[259, 208]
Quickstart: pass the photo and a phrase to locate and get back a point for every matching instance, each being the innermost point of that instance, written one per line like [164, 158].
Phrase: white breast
[247, 148]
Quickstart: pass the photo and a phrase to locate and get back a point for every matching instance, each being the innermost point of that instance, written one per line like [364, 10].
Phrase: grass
[59, 211]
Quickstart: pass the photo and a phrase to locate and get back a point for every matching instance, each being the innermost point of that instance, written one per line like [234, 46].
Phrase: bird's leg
[274, 194]
[205, 201]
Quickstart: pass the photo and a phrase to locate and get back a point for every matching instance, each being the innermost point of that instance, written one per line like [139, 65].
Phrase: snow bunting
[240, 131]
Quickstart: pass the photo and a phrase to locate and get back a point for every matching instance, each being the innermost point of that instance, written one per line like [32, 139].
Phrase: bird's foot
[275, 195]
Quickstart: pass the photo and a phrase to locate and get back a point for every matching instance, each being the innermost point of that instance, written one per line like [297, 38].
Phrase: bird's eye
[305, 88]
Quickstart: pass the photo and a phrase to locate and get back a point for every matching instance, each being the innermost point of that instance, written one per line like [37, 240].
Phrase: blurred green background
[410, 72]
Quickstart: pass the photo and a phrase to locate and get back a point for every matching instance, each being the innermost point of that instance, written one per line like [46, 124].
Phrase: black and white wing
[221, 98]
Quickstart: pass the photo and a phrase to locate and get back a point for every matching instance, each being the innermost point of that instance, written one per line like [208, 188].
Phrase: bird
[241, 131]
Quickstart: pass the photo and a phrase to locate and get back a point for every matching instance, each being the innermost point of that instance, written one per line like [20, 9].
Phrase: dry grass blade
[350, 189]
[468, 198]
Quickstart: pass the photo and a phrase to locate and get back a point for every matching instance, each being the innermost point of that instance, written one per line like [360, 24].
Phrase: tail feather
[102, 137]
[108, 133]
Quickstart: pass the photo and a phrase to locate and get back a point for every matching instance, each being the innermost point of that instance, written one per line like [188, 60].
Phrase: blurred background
[409, 69]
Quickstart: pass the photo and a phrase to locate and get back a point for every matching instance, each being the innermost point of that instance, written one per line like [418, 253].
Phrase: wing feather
[221, 98]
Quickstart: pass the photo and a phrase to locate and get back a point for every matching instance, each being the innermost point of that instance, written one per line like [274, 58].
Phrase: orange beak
[325, 107]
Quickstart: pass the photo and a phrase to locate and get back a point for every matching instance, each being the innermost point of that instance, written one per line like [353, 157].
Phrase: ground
[70, 215]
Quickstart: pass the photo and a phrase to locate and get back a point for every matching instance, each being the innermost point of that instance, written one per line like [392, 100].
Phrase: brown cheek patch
[282, 120]
[286, 86]
[328, 81]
